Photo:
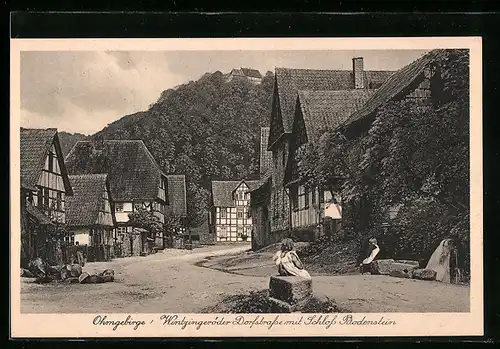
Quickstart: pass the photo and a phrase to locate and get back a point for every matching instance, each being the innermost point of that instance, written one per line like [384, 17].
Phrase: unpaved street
[172, 282]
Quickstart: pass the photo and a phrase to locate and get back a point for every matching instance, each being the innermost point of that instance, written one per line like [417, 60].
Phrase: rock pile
[69, 273]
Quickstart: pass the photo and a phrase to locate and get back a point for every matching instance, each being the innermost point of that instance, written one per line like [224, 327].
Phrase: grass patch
[258, 302]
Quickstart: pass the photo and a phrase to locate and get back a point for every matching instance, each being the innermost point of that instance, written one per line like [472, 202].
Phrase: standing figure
[373, 250]
[288, 262]
[440, 260]
[79, 254]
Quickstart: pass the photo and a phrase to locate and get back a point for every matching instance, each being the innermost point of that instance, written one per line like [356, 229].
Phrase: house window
[301, 197]
[119, 207]
[239, 212]
[306, 197]
[46, 197]
[223, 232]
[313, 196]
[240, 231]
[70, 238]
[59, 201]
[223, 212]
[295, 197]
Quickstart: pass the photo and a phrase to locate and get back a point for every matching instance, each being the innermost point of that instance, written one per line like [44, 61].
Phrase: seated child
[288, 262]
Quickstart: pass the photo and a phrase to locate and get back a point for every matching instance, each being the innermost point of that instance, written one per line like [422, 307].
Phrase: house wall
[50, 196]
[279, 204]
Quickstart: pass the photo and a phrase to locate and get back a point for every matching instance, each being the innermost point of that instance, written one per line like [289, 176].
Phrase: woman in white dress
[440, 261]
[288, 262]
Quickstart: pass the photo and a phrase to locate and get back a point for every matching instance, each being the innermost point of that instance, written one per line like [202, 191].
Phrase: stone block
[290, 289]
[406, 261]
[403, 267]
[382, 266]
[401, 273]
[424, 274]
[388, 266]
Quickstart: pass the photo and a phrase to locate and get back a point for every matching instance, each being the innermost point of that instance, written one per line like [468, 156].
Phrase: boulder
[95, 279]
[401, 273]
[424, 274]
[25, 273]
[108, 275]
[290, 289]
[71, 270]
[382, 266]
[75, 270]
[84, 278]
[54, 272]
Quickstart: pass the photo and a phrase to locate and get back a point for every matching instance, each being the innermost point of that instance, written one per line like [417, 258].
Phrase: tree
[145, 219]
[206, 129]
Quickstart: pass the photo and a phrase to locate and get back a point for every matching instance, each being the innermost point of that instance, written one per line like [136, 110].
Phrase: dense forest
[207, 129]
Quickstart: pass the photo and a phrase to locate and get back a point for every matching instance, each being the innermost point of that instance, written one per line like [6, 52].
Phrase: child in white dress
[288, 262]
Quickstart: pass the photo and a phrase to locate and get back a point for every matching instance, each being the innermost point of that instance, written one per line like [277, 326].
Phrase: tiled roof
[396, 84]
[35, 145]
[222, 191]
[176, 187]
[82, 209]
[38, 215]
[290, 81]
[133, 173]
[323, 110]
[253, 73]
[266, 156]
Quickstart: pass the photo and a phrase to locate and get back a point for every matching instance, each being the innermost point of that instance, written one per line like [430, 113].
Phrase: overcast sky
[84, 91]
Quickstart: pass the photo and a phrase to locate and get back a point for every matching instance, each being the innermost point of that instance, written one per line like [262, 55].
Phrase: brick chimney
[357, 70]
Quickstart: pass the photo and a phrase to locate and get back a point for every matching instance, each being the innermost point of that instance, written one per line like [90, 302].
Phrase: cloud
[87, 90]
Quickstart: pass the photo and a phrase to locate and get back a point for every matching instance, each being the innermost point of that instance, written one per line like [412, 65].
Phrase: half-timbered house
[45, 185]
[286, 86]
[316, 112]
[135, 180]
[230, 218]
[90, 216]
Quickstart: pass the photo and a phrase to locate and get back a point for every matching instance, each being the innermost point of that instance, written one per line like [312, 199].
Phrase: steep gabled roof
[290, 81]
[328, 109]
[395, 85]
[82, 209]
[176, 191]
[35, 145]
[222, 191]
[132, 171]
[252, 73]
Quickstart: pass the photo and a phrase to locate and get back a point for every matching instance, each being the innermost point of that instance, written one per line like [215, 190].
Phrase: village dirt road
[173, 282]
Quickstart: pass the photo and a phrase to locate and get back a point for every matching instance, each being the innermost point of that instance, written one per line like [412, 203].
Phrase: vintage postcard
[246, 187]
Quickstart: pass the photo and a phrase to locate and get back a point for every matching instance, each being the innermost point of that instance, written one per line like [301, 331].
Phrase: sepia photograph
[330, 182]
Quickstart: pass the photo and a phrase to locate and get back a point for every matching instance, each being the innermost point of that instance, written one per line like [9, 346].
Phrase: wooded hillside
[206, 129]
